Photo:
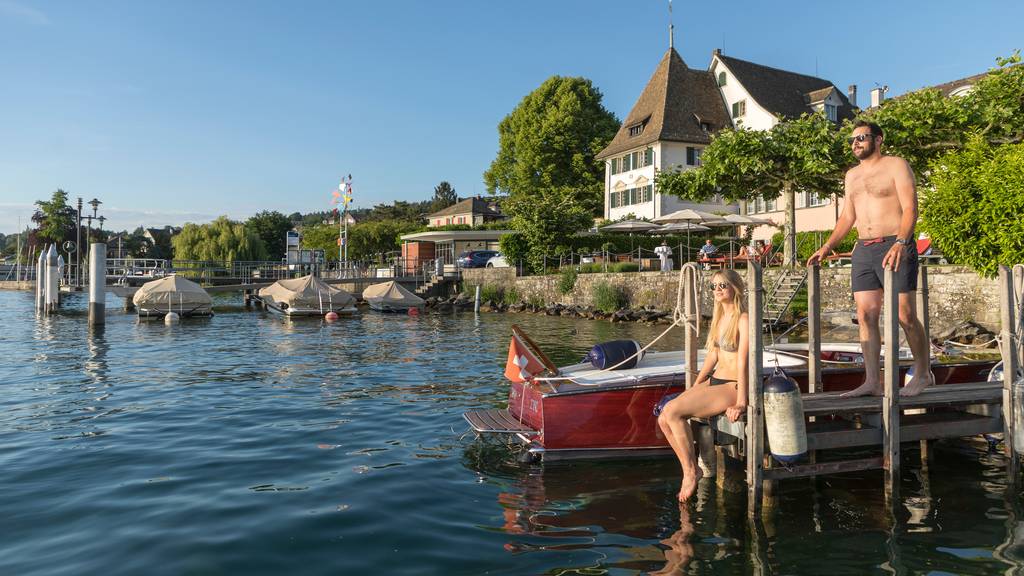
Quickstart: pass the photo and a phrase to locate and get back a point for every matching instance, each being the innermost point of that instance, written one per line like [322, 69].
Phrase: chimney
[851, 94]
[878, 96]
[716, 52]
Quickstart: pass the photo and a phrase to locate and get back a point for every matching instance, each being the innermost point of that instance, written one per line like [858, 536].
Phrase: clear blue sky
[173, 111]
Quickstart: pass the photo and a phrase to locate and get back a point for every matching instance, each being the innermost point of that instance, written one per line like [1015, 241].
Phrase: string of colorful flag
[344, 192]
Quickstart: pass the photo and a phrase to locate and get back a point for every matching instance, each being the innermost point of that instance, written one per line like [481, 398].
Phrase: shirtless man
[882, 202]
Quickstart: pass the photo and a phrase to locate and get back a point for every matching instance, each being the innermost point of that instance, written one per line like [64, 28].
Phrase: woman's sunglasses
[720, 285]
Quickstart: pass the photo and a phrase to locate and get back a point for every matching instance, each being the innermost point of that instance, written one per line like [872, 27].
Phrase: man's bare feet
[865, 389]
[918, 383]
[689, 486]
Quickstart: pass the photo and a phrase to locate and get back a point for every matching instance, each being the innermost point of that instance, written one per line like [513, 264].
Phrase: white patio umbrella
[631, 226]
[690, 216]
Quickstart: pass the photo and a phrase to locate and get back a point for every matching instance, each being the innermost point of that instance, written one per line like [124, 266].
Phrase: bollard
[52, 280]
[97, 282]
[41, 280]
[476, 300]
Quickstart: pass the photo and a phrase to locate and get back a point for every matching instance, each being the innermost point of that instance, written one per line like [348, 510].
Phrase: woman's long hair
[739, 302]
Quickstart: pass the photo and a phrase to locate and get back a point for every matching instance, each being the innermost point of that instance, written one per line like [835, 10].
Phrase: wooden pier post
[891, 391]
[814, 329]
[922, 314]
[813, 339]
[1012, 417]
[690, 310]
[755, 407]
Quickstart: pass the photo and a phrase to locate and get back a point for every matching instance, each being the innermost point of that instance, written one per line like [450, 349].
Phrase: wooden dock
[884, 422]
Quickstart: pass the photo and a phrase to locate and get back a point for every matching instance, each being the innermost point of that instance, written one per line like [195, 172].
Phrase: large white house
[681, 107]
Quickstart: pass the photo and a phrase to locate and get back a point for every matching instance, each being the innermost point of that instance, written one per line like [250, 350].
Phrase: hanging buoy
[171, 318]
[331, 316]
[784, 418]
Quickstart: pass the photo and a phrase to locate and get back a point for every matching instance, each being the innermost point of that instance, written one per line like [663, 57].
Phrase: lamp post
[102, 219]
[78, 244]
[95, 206]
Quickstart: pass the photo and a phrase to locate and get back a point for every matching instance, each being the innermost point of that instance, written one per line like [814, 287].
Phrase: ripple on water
[247, 443]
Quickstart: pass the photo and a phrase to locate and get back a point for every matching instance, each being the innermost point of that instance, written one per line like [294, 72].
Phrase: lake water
[250, 444]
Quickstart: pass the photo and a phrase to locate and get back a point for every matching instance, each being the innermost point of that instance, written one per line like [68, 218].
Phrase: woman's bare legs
[700, 401]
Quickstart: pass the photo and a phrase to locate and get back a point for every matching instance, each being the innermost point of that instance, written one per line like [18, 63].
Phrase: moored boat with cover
[306, 296]
[172, 294]
[391, 297]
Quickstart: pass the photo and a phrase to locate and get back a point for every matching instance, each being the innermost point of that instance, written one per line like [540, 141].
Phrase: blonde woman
[721, 385]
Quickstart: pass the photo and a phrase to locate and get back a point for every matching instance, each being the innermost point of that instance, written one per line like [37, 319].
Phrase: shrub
[535, 300]
[511, 296]
[567, 280]
[491, 292]
[624, 267]
[607, 298]
[591, 268]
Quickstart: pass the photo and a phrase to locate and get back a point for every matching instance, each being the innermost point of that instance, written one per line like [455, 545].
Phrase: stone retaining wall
[956, 294]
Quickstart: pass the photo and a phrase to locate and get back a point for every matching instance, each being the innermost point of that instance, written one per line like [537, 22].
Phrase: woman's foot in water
[689, 487]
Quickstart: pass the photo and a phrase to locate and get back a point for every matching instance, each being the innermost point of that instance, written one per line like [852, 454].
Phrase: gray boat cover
[309, 293]
[172, 294]
[391, 294]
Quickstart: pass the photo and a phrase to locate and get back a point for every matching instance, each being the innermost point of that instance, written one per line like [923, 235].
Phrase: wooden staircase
[781, 295]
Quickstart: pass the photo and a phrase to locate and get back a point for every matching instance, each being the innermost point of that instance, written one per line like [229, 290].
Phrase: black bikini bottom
[717, 381]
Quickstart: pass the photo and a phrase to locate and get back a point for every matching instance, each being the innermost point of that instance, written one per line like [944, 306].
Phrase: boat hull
[617, 419]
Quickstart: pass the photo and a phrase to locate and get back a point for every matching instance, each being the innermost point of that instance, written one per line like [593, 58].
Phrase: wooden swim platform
[884, 422]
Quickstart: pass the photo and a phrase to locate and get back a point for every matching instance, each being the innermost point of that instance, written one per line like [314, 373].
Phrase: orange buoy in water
[331, 316]
[414, 311]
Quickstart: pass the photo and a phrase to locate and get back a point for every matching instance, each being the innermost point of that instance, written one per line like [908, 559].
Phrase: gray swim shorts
[867, 265]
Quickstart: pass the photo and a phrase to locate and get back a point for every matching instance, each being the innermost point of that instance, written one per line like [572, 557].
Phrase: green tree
[802, 154]
[975, 209]
[549, 142]
[55, 219]
[546, 222]
[220, 240]
[271, 227]
[923, 126]
[444, 196]
[323, 237]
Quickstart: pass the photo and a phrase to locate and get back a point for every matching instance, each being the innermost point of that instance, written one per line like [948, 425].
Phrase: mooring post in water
[1012, 417]
[476, 299]
[922, 314]
[41, 281]
[813, 338]
[52, 280]
[690, 311]
[891, 391]
[97, 282]
[755, 386]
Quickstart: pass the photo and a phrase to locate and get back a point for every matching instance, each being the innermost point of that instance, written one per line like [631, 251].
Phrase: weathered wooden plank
[944, 395]
[822, 468]
[891, 389]
[814, 329]
[755, 407]
[1008, 348]
[690, 312]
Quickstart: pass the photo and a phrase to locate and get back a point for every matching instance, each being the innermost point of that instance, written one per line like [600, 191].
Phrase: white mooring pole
[41, 280]
[52, 280]
[97, 282]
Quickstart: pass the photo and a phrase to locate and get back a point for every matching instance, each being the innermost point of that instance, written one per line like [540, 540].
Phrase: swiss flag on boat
[522, 364]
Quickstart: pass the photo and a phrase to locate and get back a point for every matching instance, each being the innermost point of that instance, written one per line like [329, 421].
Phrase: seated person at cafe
[708, 250]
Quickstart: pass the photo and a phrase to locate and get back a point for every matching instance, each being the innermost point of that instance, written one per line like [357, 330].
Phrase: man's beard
[866, 151]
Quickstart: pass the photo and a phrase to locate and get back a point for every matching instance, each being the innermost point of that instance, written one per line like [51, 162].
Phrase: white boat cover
[391, 295]
[307, 293]
[172, 294]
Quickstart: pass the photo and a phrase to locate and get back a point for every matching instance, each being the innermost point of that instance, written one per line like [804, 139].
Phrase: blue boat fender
[784, 418]
[608, 354]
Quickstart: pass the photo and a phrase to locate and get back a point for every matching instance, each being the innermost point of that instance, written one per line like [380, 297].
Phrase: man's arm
[847, 218]
[906, 193]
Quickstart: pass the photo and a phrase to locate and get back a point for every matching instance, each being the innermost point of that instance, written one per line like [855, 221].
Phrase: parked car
[498, 261]
[475, 258]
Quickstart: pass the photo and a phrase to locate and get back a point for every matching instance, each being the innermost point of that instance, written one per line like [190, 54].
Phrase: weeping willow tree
[221, 240]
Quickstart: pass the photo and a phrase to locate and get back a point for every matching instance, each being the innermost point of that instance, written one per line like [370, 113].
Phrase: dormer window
[636, 129]
[832, 112]
[705, 127]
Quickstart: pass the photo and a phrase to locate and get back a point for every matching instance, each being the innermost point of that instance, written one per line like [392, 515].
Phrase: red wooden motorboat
[585, 412]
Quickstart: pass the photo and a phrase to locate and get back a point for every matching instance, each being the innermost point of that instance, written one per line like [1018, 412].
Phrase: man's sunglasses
[860, 137]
